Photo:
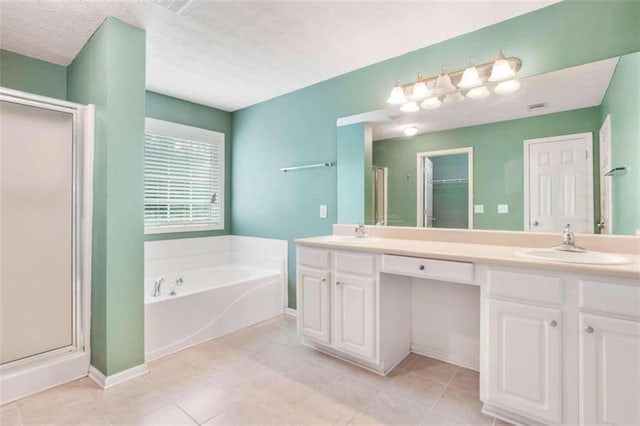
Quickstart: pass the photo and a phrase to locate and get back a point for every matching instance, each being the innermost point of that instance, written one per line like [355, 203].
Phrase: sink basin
[348, 239]
[588, 257]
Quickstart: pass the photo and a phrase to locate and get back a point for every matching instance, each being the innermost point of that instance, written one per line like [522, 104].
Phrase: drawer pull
[421, 267]
[553, 323]
[588, 329]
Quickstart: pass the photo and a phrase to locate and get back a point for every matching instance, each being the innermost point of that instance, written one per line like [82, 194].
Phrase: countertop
[478, 253]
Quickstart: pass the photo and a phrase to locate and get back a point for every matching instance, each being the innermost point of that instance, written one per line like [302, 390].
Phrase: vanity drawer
[444, 270]
[314, 258]
[361, 264]
[609, 298]
[528, 287]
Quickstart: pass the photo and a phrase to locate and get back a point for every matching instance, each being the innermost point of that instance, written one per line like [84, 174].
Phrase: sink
[348, 239]
[587, 257]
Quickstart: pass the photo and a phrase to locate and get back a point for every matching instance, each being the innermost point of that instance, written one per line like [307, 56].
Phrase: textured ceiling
[232, 54]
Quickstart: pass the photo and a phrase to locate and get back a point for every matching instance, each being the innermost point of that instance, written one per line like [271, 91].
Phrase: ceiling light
[397, 95]
[431, 103]
[409, 107]
[478, 93]
[453, 98]
[470, 78]
[507, 87]
[444, 84]
[411, 131]
[501, 69]
[420, 90]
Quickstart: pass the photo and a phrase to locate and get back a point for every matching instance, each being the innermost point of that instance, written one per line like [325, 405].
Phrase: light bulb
[507, 87]
[501, 69]
[420, 90]
[411, 131]
[444, 84]
[431, 103]
[478, 93]
[470, 78]
[409, 107]
[397, 95]
[453, 98]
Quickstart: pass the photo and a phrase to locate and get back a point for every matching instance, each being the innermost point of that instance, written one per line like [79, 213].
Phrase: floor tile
[168, 415]
[387, 409]
[9, 415]
[467, 380]
[209, 401]
[415, 388]
[432, 369]
[435, 418]
[463, 407]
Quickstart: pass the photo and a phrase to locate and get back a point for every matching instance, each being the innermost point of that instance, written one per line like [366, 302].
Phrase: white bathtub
[212, 301]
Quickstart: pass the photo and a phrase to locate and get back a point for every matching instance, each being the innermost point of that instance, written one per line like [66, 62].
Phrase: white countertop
[484, 253]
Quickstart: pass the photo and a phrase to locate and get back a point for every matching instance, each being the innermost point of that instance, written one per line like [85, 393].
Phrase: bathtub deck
[262, 375]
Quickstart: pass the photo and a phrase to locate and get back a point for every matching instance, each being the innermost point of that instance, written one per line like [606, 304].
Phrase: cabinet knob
[553, 323]
[337, 282]
[323, 280]
[588, 329]
[421, 267]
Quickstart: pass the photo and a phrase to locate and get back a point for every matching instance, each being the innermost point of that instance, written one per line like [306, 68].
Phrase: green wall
[109, 72]
[167, 108]
[31, 75]
[300, 127]
[497, 164]
[622, 101]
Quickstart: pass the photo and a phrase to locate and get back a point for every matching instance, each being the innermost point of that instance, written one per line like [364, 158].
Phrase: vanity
[555, 343]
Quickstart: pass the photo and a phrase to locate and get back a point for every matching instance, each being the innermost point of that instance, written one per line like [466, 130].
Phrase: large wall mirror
[565, 148]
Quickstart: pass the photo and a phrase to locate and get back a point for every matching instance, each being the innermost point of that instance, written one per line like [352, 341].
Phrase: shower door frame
[82, 209]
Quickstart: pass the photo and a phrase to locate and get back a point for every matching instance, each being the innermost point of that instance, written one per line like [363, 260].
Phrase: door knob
[588, 329]
[600, 224]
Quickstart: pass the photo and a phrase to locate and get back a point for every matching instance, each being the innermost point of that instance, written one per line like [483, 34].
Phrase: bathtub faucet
[156, 287]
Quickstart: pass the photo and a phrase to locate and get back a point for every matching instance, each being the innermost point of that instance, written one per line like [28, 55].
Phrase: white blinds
[183, 180]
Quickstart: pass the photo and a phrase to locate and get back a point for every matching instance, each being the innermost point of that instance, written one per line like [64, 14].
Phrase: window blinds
[182, 180]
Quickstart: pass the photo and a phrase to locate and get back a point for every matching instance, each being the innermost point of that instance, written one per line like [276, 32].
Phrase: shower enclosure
[46, 148]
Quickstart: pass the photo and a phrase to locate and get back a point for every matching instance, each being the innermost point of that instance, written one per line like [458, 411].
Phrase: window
[183, 178]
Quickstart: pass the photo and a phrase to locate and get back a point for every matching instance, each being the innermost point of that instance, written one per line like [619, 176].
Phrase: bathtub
[211, 302]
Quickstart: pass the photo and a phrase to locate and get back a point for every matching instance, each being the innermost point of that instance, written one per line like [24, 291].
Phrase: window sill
[168, 229]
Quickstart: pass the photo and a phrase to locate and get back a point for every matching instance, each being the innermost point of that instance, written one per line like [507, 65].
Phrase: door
[605, 223]
[610, 371]
[559, 189]
[525, 359]
[36, 231]
[380, 195]
[428, 193]
[354, 315]
[314, 304]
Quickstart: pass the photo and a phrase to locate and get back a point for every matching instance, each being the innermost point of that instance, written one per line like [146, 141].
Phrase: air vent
[536, 107]
[175, 6]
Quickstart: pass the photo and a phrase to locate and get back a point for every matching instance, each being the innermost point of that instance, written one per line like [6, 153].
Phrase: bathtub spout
[157, 284]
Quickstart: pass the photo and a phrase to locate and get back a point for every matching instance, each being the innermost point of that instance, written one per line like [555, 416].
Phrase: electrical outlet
[503, 208]
[478, 208]
[323, 211]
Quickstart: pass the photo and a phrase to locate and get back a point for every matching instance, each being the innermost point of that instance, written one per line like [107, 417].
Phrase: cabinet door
[610, 370]
[354, 315]
[525, 359]
[314, 304]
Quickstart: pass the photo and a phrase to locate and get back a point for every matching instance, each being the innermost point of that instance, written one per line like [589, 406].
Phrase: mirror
[565, 148]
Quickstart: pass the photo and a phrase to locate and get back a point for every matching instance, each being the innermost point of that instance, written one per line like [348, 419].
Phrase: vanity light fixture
[410, 106]
[411, 131]
[474, 82]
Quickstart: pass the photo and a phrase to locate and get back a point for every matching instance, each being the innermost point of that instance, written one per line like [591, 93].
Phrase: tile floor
[262, 375]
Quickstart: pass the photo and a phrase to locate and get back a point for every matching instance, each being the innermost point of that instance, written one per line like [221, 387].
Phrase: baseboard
[106, 382]
[508, 416]
[461, 361]
[290, 311]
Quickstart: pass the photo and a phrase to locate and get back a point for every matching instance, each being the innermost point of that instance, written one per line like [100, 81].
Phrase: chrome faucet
[360, 231]
[568, 241]
[157, 284]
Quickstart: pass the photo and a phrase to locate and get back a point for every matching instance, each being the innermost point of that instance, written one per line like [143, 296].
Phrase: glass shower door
[37, 296]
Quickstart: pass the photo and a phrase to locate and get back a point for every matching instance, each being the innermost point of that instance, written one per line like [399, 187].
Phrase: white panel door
[428, 193]
[354, 315]
[525, 359]
[36, 231]
[314, 304]
[560, 190]
[605, 224]
[610, 371]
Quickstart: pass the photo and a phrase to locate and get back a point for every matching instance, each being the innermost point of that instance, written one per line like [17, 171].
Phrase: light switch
[503, 208]
[478, 208]
[323, 211]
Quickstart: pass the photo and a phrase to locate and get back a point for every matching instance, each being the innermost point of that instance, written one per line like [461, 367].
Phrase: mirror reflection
[565, 148]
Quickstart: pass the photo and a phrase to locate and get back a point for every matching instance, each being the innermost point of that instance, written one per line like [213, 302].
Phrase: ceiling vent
[537, 107]
[175, 6]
